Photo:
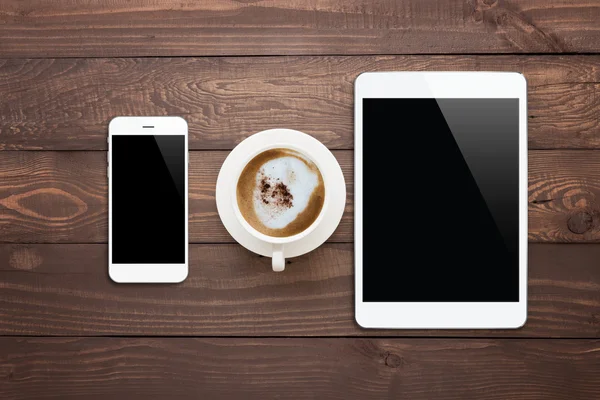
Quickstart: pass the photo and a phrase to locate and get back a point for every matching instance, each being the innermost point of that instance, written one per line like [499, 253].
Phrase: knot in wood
[580, 222]
[393, 361]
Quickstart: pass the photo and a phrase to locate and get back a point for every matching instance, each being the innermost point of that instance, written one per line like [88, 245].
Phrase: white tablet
[441, 200]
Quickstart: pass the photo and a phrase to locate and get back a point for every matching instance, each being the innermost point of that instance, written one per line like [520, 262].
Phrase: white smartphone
[148, 199]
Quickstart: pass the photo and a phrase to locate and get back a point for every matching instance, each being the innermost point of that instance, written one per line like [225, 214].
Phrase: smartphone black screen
[148, 203]
[443, 174]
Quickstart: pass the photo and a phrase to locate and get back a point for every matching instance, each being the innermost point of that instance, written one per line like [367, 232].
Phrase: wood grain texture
[64, 289]
[117, 368]
[67, 103]
[61, 197]
[85, 28]
[564, 196]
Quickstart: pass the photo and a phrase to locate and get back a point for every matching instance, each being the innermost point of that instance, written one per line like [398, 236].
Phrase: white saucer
[328, 166]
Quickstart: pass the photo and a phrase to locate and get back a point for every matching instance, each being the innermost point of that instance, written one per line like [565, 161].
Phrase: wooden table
[235, 329]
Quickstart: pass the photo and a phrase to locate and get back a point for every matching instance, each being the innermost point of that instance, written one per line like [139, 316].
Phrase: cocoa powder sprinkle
[277, 194]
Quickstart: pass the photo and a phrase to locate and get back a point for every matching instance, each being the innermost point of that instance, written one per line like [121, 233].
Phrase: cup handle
[278, 259]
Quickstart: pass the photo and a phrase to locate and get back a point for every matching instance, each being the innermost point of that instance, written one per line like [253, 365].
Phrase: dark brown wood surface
[61, 197]
[101, 368]
[564, 196]
[64, 104]
[82, 28]
[64, 289]
[68, 66]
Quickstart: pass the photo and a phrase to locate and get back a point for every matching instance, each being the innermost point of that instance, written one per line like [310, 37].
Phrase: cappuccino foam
[280, 192]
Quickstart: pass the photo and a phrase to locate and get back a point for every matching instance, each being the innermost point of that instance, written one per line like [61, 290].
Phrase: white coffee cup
[278, 243]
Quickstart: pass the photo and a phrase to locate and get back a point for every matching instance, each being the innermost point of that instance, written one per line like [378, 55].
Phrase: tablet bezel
[440, 315]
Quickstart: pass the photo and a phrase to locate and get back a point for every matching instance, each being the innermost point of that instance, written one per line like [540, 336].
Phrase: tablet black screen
[440, 193]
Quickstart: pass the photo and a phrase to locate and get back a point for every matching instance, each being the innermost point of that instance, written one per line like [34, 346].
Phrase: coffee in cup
[280, 192]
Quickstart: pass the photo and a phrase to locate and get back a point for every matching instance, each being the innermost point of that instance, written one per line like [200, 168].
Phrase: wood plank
[64, 289]
[564, 194]
[122, 28]
[185, 368]
[67, 103]
[61, 197]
